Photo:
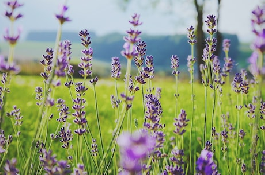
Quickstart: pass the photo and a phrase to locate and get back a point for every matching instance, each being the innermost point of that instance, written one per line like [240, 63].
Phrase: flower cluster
[15, 113]
[153, 112]
[177, 159]
[86, 60]
[10, 14]
[38, 97]
[47, 63]
[61, 17]
[10, 167]
[130, 50]
[64, 110]
[51, 165]
[181, 123]
[63, 66]
[78, 106]
[175, 64]
[3, 90]
[205, 163]
[80, 170]
[4, 142]
[94, 148]
[141, 49]
[128, 100]
[133, 149]
[191, 35]
[6, 67]
[115, 68]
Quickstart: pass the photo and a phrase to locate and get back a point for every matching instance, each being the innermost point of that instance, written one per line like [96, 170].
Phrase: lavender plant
[229, 147]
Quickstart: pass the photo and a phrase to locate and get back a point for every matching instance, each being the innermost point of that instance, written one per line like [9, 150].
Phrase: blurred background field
[163, 30]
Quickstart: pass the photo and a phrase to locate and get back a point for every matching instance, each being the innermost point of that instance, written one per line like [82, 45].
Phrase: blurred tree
[199, 7]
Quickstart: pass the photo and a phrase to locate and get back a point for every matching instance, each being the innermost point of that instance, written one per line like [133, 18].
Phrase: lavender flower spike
[10, 167]
[61, 16]
[133, 148]
[205, 163]
[115, 67]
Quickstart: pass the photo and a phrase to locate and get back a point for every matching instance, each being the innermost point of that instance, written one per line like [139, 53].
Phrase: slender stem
[98, 122]
[205, 114]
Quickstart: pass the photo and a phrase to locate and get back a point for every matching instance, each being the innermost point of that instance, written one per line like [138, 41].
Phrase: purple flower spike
[12, 40]
[259, 43]
[80, 170]
[115, 67]
[175, 64]
[13, 4]
[191, 35]
[61, 16]
[226, 45]
[5, 67]
[211, 23]
[205, 163]
[181, 123]
[134, 148]
[135, 20]
[10, 167]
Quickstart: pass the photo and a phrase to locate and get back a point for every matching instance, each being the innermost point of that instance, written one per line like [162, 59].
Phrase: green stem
[98, 122]
[205, 115]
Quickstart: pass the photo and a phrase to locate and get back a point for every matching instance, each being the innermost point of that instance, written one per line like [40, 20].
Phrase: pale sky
[104, 16]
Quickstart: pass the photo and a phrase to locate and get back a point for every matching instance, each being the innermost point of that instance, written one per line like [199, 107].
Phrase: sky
[105, 16]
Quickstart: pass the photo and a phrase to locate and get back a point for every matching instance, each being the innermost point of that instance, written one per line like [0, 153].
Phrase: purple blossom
[47, 63]
[134, 148]
[94, 80]
[6, 67]
[4, 141]
[64, 110]
[258, 18]
[94, 147]
[130, 50]
[135, 20]
[191, 35]
[211, 24]
[10, 167]
[237, 83]
[61, 17]
[85, 38]
[141, 49]
[226, 45]
[115, 67]
[62, 66]
[128, 100]
[190, 63]
[16, 115]
[51, 165]
[13, 4]
[228, 65]
[153, 112]
[205, 163]
[11, 39]
[10, 14]
[175, 170]
[181, 123]
[175, 64]
[38, 96]
[259, 43]
[114, 101]
[80, 170]
[177, 156]
[86, 62]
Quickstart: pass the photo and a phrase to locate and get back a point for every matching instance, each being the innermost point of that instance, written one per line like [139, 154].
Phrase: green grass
[23, 96]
